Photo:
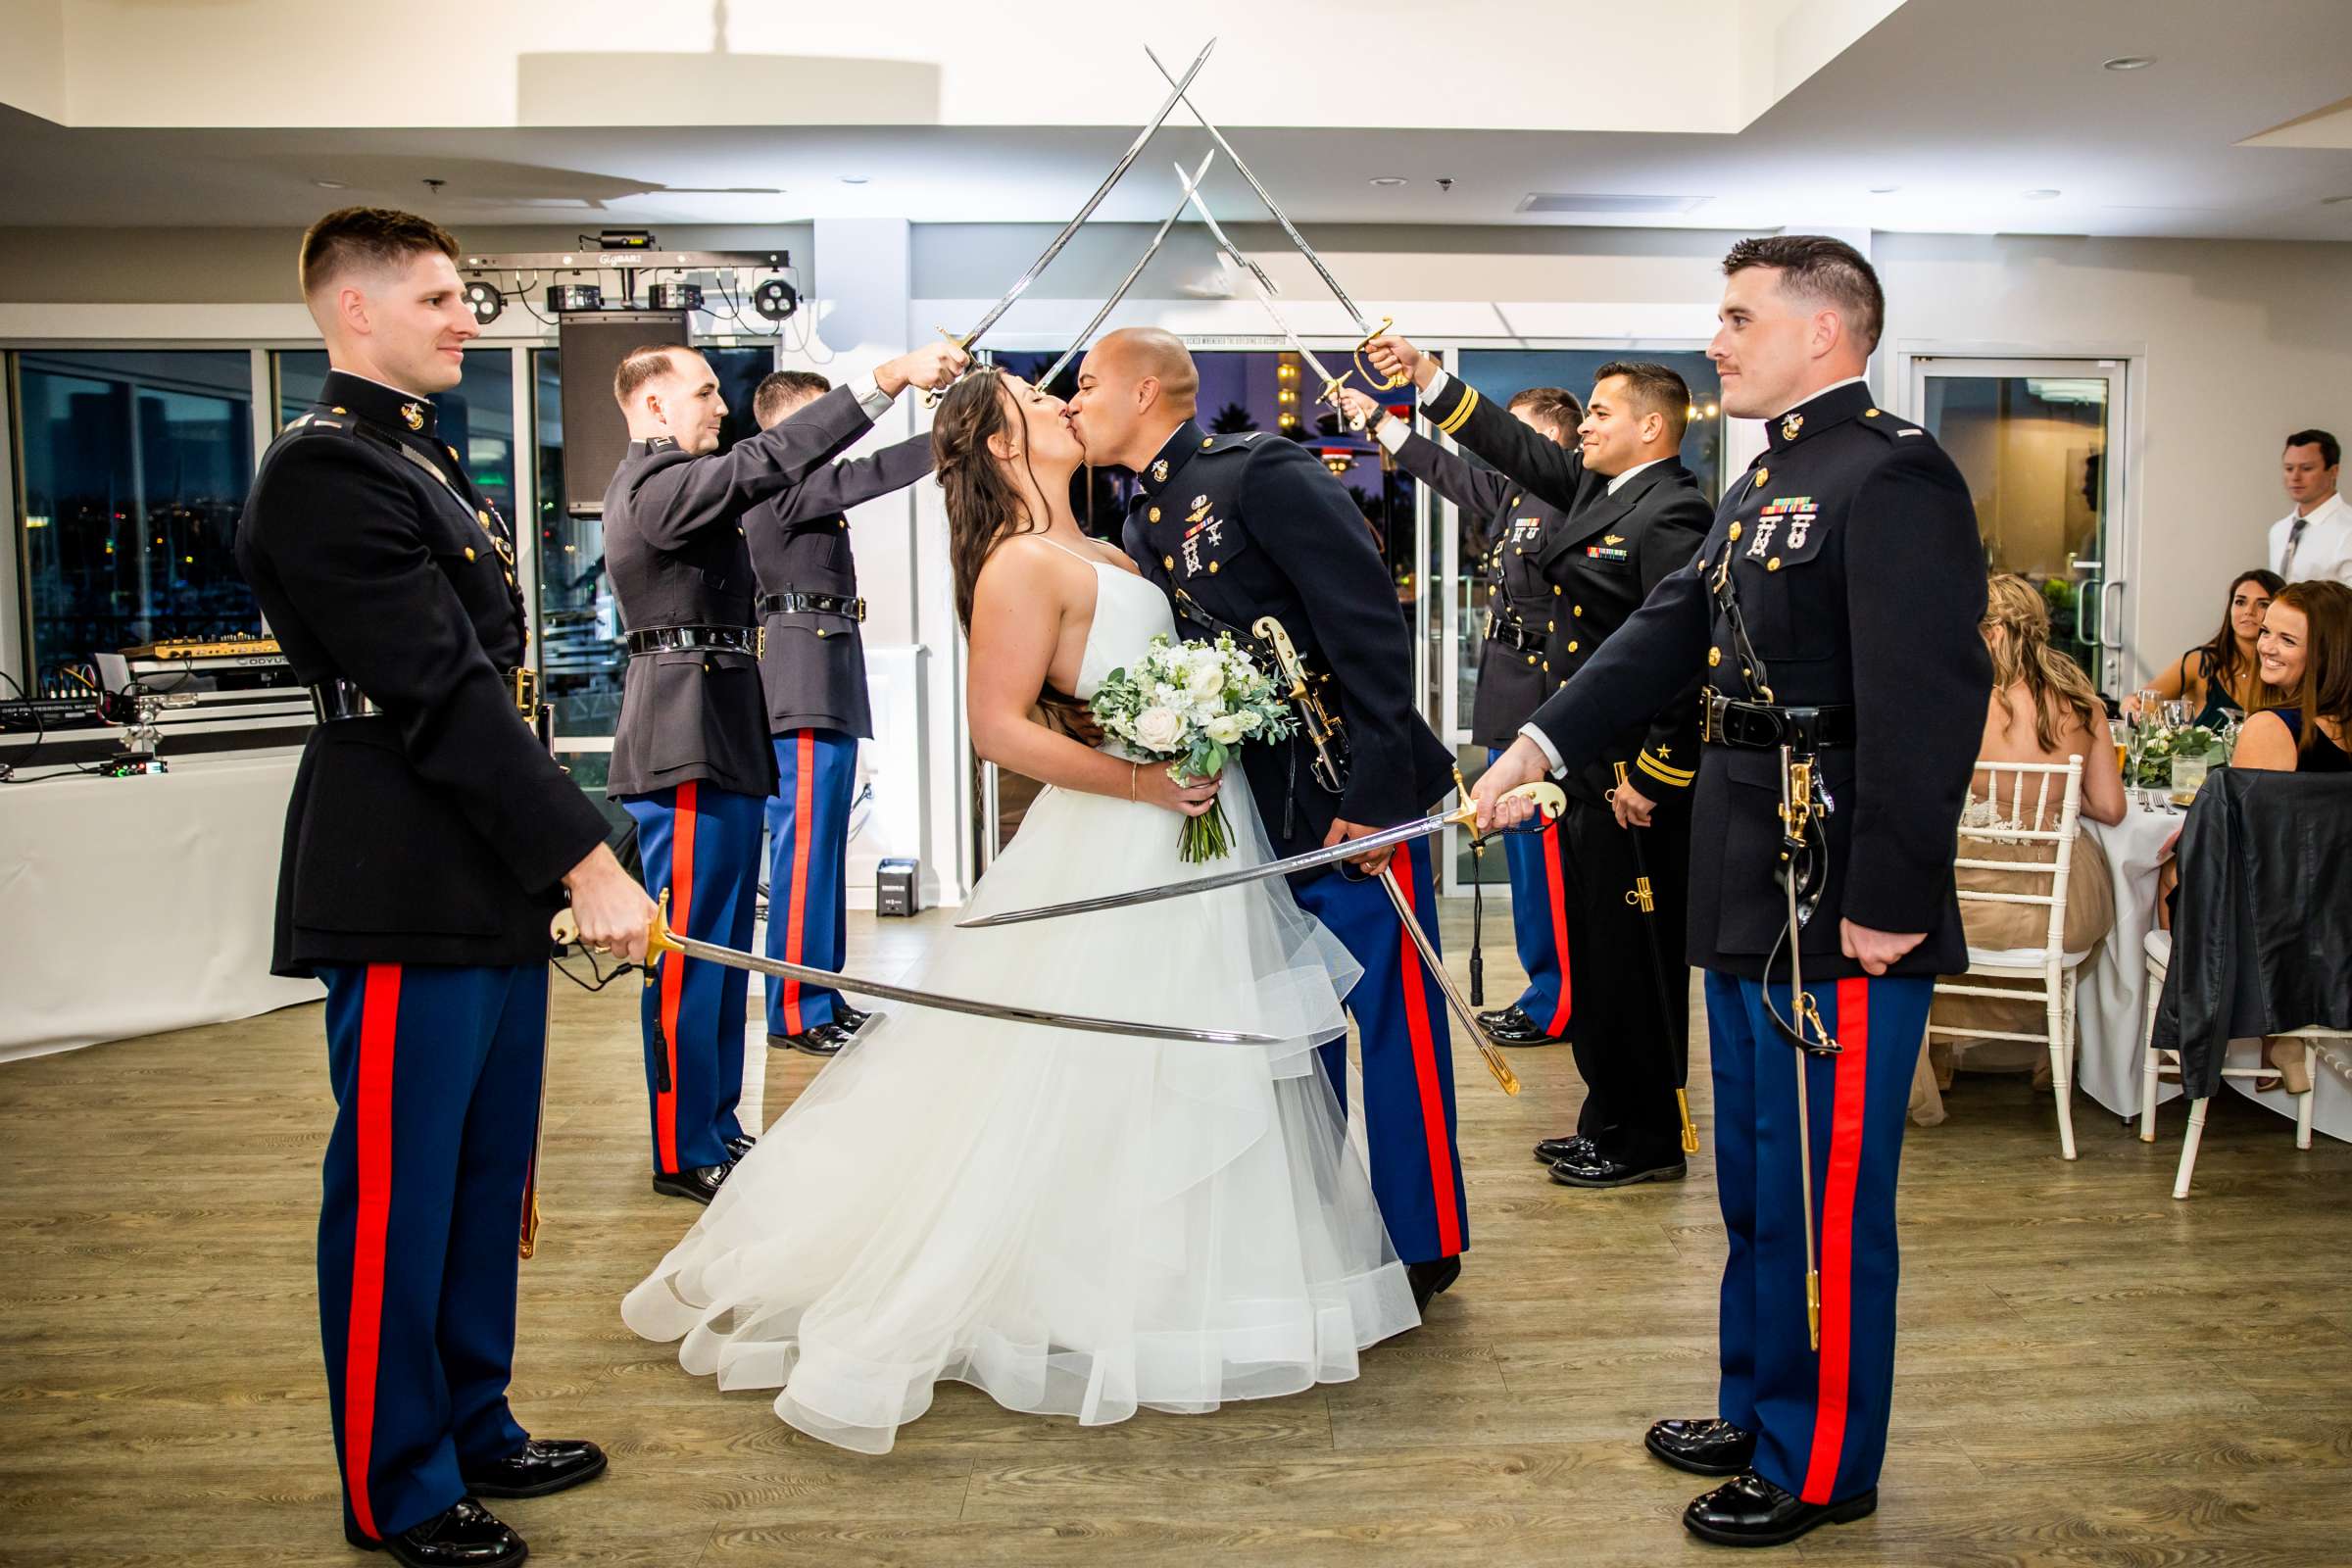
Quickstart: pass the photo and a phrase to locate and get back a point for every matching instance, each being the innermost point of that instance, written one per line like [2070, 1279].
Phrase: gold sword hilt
[1551, 802]
[564, 930]
[1378, 384]
[932, 395]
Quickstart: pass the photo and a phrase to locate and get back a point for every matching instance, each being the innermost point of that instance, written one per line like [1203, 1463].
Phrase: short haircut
[1553, 406]
[1824, 270]
[641, 364]
[366, 236]
[2332, 451]
[779, 390]
[1655, 389]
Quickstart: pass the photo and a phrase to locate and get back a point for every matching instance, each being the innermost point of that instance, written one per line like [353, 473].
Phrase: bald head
[1135, 387]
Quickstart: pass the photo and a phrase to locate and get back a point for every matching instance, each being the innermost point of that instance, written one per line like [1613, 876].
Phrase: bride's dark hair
[984, 508]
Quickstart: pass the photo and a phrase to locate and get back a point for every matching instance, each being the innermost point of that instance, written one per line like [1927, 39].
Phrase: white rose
[1224, 729]
[1205, 680]
[1160, 729]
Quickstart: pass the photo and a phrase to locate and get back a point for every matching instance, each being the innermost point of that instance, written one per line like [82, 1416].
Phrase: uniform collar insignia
[1791, 425]
[1185, 440]
[389, 405]
[1830, 407]
[659, 443]
[412, 415]
[1160, 471]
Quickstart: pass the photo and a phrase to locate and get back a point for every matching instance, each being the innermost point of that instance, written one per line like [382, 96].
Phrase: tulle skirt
[1077, 1224]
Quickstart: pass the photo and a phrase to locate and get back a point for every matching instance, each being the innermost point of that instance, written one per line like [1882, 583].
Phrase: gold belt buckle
[526, 693]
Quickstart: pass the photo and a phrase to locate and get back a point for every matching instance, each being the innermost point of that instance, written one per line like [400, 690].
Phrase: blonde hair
[2023, 653]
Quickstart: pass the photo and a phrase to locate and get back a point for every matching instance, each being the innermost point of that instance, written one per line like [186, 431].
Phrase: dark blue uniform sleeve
[1656, 654]
[1915, 592]
[1306, 523]
[367, 588]
[1669, 755]
[1535, 463]
[675, 500]
[839, 486]
[1480, 492]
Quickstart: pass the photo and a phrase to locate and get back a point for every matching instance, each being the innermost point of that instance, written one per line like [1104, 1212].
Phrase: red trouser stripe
[1555, 888]
[1425, 1075]
[674, 971]
[803, 827]
[1837, 1237]
[379, 1034]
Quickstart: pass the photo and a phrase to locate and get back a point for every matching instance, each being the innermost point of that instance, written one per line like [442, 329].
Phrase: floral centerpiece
[1190, 704]
[2161, 742]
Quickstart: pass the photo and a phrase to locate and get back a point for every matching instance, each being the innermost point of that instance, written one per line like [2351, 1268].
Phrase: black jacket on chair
[2262, 935]
[439, 831]
[674, 545]
[812, 662]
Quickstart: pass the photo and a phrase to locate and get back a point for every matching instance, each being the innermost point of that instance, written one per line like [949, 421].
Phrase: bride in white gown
[1077, 1224]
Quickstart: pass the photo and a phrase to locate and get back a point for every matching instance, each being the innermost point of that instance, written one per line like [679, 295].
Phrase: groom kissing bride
[1083, 1225]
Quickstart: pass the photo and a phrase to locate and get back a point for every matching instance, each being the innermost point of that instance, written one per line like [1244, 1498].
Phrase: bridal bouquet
[1190, 704]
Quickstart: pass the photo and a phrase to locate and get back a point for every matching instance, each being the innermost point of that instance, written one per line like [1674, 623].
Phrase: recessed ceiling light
[1884, 190]
[2127, 62]
[2042, 195]
[328, 184]
[854, 179]
[1388, 180]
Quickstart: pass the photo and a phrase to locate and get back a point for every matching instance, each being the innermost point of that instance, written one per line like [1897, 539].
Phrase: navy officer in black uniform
[1832, 610]
[1241, 526]
[1509, 531]
[812, 671]
[691, 758]
[1634, 513]
[429, 838]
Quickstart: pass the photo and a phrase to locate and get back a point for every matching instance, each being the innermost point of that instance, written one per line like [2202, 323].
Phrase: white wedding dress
[1078, 1224]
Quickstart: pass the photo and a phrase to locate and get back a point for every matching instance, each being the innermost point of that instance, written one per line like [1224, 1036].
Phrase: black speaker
[595, 435]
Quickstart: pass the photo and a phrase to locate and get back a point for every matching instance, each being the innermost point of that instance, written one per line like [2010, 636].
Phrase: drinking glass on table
[2176, 712]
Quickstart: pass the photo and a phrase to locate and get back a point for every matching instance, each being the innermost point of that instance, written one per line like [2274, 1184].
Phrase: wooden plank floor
[2090, 1372]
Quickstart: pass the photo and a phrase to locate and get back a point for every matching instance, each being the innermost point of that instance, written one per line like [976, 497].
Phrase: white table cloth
[138, 904]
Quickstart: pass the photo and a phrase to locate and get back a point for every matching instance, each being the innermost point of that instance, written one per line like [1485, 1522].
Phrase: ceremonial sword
[1362, 323]
[1264, 286]
[1191, 183]
[1053, 248]
[1436, 967]
[1549, 804]
[660, 939]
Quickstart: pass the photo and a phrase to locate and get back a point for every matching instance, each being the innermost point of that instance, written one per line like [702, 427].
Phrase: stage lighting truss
[732, 287]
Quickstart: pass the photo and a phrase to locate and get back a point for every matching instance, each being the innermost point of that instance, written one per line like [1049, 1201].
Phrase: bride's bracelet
[1132, 770]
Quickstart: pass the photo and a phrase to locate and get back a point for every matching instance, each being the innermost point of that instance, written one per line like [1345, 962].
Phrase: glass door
[2036, 440]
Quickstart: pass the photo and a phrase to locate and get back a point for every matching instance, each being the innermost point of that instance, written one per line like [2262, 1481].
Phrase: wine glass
[2176, 713]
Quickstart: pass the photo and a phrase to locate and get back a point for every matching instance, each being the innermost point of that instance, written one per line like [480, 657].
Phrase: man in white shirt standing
[2314, 542]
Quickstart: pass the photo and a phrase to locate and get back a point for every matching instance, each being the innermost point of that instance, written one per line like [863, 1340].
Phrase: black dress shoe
[739, 1145]
[1551, 1151]
[850, 1017]
[1752, 1511]
[817, 1040]
[702, 1184]
[1432, 1279]
[465, 1535]
[537, 1469]
[1514, 1027]
[1708, 1447]
[1589, 1167]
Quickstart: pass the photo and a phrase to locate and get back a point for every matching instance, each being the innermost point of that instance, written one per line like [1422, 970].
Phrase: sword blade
[1264, 287]
[1118, 170]
[1191, 183]
[1363, 324]
[1493, 1057]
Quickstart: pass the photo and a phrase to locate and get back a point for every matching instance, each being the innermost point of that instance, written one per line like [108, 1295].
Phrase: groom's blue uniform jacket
[1252, 525]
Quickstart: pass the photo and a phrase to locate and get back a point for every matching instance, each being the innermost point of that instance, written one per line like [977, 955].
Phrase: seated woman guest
[2305, 652]
[2043, 710]
[2218, 677]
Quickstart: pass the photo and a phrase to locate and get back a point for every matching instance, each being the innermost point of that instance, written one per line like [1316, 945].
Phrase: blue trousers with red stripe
[808, 855]
[1538, 867]
[1819, 1416]
[1407, 1056]
[436, 1073]
[702, 846]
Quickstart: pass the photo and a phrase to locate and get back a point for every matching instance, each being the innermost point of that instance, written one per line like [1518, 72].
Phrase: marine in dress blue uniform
[1834, 608]
[1236, 527]
[813, 673]
[692, 761]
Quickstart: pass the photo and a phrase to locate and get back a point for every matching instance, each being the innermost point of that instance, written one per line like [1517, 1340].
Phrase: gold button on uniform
[1735, 530]
[482, 517]
[1763, 474]
[1572, 648]
[469, 552]
[1714, 657]
[1774, 564]
[1214, 565]
[1580, 610]
[1167, 563]
[1206, 442]
[1870, 414]
[1530, 659]
[1552, 625]
[1556, 590]
[1155, 513]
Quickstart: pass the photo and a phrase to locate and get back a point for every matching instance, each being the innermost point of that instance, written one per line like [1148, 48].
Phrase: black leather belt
[792, 602]
[1512, 634]
[1767, 728]
[340, 699]
[695, 639]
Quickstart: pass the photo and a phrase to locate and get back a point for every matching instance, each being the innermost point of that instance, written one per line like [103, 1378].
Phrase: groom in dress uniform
[691, 758]
[1244, 526]
[1514, 676]
[1832, 610]
[1634, 516]
[812, 671]
[429, 838]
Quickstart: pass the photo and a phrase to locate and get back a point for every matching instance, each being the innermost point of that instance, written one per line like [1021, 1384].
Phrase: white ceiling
[1961, 106]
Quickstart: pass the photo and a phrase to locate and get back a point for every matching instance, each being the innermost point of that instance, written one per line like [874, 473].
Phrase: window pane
[476, 417]
[581, 655]
[136, 467]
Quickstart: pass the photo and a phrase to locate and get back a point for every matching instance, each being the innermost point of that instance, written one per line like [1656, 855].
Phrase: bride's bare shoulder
[1026, 567]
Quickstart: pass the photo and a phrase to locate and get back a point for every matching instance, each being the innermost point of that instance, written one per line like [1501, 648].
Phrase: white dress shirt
[2323, 553]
